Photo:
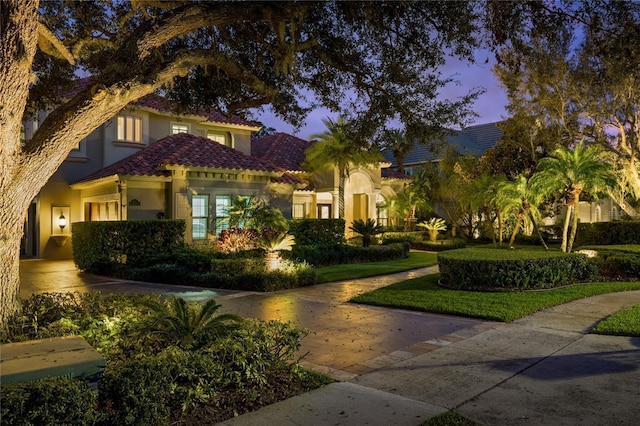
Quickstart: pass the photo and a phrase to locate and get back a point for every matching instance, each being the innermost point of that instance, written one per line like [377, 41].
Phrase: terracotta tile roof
[164, 105]
[185, 150]
[394, 174]
[293, 179]
[281, 149]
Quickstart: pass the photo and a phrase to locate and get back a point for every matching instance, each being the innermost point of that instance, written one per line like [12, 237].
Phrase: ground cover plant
[424, 294]
[168, 362]
[622, 323]
[416, 259]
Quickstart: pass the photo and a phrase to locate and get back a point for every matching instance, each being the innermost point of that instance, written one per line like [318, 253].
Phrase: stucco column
[335, 204]
[372, 211]
[122, 190]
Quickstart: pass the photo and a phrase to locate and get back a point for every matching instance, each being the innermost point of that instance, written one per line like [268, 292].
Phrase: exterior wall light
[62, 222]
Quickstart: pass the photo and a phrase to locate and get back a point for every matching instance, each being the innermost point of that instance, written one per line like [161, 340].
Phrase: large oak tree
[374, 62]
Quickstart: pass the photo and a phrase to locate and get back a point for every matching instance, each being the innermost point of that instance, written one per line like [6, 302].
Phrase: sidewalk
[541, 370]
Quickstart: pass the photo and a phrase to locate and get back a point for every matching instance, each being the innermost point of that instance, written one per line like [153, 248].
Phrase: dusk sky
[489, 106]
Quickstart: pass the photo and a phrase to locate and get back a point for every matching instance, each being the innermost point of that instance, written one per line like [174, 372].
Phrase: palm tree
[240, 211]
[521, 197]
[337, 148]
[573, 171]
[398, 143]
[482, 194]
[367, 229]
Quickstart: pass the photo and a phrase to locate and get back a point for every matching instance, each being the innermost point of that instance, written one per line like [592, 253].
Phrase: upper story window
[179, 128]
[219, 137]
[129, 128]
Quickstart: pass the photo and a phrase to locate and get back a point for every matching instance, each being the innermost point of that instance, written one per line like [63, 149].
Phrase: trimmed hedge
[618, 260]
[100, 246]
[319, 255]
[233, 274]
[420, 241]
[321, 232]
[607, 233]
[497, 269]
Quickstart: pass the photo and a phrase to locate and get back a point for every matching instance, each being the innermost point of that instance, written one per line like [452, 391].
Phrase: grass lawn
[423, 294]
[362, 270]
[623, 323]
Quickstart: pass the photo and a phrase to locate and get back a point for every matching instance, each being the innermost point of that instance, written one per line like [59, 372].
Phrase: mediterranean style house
[149, 162]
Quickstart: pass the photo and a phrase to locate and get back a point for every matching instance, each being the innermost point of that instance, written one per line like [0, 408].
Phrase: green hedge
[234, 274]
[319, 255]
[503, 269]
[607, 233]
[100, 246]
[322, 232]
[618, 260]
[420, 241]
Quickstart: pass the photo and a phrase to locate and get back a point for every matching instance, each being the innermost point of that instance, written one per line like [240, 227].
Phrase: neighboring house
[475, 140]
[472, 140]
[148, 162]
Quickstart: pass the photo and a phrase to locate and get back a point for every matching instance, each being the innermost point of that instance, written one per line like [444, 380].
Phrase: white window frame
[217, 136]
[129, 128]
[223, 202]
[301, 211]
[180, 128]
[199, 216]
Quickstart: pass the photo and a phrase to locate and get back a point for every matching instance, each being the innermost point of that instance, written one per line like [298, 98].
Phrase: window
[221, 138]
[223, 202]
[298, 211]
[381, 210]
[102, 211]
[179, 128]
[129, 128]
[199, 216]
[324, 211]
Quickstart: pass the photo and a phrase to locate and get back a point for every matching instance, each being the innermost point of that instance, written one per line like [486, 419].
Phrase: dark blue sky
[489, 106]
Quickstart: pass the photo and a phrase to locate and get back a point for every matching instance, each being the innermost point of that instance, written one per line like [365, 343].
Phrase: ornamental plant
[434, 225]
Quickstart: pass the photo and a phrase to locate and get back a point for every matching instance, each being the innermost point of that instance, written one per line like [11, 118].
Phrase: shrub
[236, 266]
[607, 233]
[49, 402]
[100, 246]
[433, 226]
[494, 269]
[322, 232]
[617, 260]
[330, 255]
[420, 241]
[137, 392]
[236, 240]
[366, 229]
[221, 377]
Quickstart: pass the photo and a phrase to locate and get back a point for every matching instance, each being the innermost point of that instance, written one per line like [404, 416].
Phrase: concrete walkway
[401, 368]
